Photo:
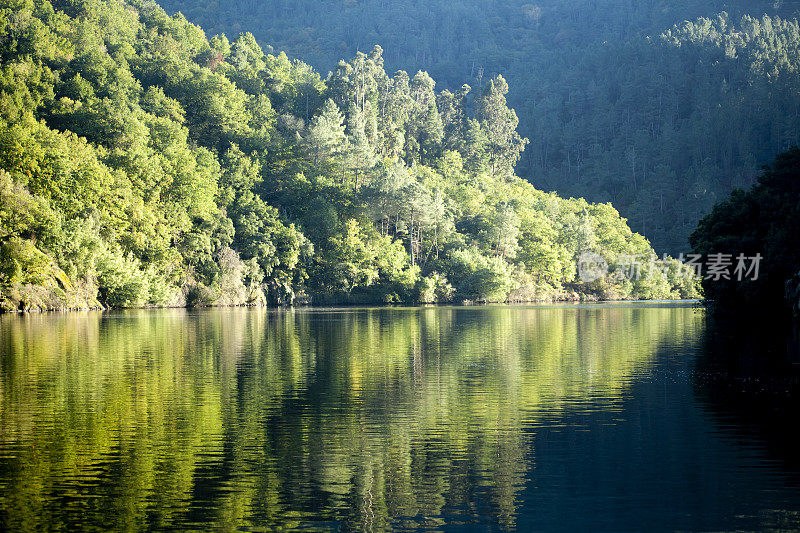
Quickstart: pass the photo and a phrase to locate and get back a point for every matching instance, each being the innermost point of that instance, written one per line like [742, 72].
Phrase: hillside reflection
[366, 418]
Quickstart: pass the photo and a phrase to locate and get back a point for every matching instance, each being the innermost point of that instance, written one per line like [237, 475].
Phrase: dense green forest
[623, 101]
[762, 220]
[142, 163]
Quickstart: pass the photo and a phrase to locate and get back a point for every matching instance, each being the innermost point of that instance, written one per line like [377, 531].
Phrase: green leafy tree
[499, 124]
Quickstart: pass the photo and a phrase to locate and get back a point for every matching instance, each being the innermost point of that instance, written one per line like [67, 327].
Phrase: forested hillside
[762, 220]
[623, 101]
[142, 163]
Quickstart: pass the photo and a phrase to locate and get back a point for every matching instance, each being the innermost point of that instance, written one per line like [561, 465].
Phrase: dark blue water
[503, 418]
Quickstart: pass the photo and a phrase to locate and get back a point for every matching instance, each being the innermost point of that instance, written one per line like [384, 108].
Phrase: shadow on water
[748, 375]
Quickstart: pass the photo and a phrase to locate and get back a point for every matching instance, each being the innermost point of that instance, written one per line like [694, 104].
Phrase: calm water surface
[528, 418]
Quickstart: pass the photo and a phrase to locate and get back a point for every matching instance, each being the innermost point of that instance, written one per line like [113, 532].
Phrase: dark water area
[748, 373]
[602, 417]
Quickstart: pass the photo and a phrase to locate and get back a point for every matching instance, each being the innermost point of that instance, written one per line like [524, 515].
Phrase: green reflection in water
[370, 418]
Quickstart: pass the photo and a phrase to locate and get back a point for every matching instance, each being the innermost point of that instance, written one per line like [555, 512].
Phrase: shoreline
[341, 306]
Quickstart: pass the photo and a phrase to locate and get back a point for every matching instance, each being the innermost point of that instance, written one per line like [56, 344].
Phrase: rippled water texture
[557, 417]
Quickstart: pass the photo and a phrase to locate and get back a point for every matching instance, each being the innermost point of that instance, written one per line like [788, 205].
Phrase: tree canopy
[661, 108]
[761, 221]
[145, 164]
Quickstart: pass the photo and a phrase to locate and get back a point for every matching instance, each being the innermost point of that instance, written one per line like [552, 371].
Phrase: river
[561, 417]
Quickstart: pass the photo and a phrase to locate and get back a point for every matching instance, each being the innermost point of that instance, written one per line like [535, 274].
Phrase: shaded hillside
[619, 107]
